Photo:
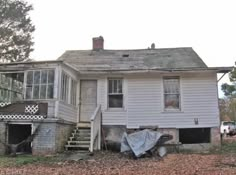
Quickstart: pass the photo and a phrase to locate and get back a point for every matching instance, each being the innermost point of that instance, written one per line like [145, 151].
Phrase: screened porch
[40, 89]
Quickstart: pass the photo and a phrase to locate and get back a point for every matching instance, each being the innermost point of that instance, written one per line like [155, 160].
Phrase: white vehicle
[228, 127]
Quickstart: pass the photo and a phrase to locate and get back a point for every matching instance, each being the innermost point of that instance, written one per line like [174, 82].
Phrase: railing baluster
[95, 129]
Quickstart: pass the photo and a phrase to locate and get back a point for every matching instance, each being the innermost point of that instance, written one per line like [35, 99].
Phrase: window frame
[73, 92]
[115, 93]
[39, 84]
[10, 90]
[64, 87]
[179, 94]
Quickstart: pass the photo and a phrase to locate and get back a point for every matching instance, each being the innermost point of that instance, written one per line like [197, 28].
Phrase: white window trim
[107, 94]
[68, 90]
[65, 87]
[166, 110]
[47, 84]
[73, 92]
[11, 87]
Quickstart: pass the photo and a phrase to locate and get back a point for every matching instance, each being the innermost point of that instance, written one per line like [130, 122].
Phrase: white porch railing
[95, 138]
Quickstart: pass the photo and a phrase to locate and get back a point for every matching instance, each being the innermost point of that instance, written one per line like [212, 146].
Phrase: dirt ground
[104, 163]
[114, 163]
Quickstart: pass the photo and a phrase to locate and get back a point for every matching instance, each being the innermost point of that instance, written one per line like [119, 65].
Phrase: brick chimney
[98, 43]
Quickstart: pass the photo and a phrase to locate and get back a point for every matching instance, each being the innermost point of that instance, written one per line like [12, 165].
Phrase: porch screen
[11, 86]
[40, 84]
[64, 87]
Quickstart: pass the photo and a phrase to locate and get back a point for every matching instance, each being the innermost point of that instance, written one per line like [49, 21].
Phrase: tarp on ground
[140, 142]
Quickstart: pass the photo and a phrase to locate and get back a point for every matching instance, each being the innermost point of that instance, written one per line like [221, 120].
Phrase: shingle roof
[169, 58]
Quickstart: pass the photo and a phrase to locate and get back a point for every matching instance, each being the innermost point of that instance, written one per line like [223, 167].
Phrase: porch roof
[21, 66]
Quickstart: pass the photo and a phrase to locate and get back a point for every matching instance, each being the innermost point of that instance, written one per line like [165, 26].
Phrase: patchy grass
[6, 161]
[228, 148]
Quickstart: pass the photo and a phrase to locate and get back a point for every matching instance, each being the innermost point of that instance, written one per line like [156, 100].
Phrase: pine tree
[15, 31]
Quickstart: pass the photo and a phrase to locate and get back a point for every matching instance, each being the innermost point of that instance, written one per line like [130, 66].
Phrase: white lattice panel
[31, 109]
[2, 104]
[22, 117]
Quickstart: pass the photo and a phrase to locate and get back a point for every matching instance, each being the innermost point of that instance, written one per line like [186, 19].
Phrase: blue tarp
[140, 142]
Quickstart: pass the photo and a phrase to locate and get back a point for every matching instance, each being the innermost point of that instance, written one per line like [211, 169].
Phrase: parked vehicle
[228, 128]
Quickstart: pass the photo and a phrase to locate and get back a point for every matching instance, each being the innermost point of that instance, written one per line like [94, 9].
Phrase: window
[73, 92]
[194, 135]
[171, 93]
[115, 95]
[11, 86]
[40, 84]
[64, 87]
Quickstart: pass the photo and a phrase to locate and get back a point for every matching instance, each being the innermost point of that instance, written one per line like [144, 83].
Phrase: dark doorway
[18, 133]
[194, 135]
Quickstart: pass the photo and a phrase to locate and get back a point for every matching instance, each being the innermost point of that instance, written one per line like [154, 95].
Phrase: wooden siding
[64, 110]
[67, 112]
[51, 108]
[143, 99]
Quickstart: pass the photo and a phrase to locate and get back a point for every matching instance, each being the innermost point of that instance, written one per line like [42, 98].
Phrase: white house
[117, 90]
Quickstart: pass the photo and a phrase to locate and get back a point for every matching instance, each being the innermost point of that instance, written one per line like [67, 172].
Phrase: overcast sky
[209, 26]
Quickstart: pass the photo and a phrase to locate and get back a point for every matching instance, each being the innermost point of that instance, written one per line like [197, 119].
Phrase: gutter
[157, 70]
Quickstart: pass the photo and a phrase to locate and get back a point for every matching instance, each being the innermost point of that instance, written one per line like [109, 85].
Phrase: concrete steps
[80, 138]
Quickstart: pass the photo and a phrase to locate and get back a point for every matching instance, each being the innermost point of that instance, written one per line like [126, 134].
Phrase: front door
[88, 99]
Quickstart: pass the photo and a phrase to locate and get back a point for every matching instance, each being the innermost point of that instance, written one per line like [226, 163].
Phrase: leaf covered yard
[212, 163]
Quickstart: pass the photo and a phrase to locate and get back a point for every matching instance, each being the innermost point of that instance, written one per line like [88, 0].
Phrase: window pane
[30, 77]
[115, 101]
[43, 89]
[50, 91]
[51, 76]
[171, 85]
[172, 101]
[114, 86]
[73, 92]
[119, 86]
[65, 88]
[29, 92]
[110, 86]
[36, 92]
[36, 77]
[44, 77]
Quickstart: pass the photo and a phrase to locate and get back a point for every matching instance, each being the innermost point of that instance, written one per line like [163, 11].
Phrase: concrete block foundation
[3, 135]
[113, 135]
[50, 138]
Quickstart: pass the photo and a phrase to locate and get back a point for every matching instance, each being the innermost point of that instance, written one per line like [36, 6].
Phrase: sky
[209, 26]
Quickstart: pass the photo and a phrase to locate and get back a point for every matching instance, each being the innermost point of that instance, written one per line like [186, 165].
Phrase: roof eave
[31, 62]
[158, 70]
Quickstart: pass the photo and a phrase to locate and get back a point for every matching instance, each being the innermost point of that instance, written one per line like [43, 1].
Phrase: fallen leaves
[108, 163]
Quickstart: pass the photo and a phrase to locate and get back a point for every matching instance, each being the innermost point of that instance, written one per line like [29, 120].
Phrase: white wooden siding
[67, 112]
[143, 99]
[51, 108]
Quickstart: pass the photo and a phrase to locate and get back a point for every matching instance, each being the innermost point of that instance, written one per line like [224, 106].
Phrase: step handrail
[95, 121]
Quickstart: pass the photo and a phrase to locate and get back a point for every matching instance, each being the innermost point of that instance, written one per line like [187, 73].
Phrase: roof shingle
[169, 58]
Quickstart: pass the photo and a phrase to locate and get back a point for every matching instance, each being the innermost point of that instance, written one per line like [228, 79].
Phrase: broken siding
[198, 100]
